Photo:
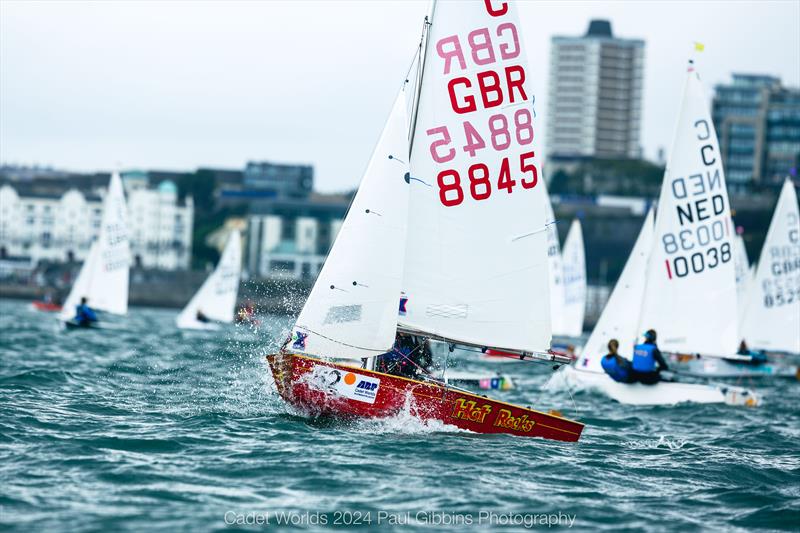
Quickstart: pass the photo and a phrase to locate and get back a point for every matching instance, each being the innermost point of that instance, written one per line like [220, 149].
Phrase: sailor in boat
[616, 366]
[84, 315]
[756, 357]
[647, 360]
[201, 316]
[410, 357]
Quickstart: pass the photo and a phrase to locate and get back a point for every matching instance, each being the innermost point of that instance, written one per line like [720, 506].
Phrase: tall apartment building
[758, 124]
[595, 95]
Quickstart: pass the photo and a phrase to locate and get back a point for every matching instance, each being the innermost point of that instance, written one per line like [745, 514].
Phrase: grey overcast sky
[177, 85]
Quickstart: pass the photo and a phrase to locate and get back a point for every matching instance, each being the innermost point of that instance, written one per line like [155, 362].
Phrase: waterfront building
[595, 96]
[55, 221]
[290, 238]
[758, 125]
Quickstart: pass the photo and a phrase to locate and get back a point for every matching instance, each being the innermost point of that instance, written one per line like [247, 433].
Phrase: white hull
[664, 393]
[714, 367]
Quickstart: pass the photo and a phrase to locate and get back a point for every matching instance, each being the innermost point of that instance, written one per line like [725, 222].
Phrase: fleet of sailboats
[452, 237]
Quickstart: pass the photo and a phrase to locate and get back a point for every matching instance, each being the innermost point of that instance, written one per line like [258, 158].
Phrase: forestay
[352, 309]
[773, 309]
[574, 267]
[690, 294]
[620, 317]
[103, 278]
[476, 264]
[216, 298]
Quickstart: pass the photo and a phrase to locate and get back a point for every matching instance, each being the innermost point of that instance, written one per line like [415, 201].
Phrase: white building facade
[284, 247]
[61, 228]
[595, 95]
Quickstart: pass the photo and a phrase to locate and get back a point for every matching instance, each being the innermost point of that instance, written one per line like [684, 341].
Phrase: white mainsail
[352, 309]
[103, 279]
[555, 267]
[216, 298]
[476, 267]
[620, 317]
[690, 296]
[772, 319]
[574, 266]
[743, 276]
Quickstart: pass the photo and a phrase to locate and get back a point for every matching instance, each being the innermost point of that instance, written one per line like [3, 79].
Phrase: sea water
[152, 429]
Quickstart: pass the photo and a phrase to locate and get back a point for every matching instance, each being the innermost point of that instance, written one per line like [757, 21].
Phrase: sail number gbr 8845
[485, 78]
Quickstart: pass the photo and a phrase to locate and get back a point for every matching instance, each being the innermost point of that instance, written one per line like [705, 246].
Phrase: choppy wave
[155, 429]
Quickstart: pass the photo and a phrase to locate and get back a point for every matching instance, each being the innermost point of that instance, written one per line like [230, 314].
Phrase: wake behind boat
[451, 219]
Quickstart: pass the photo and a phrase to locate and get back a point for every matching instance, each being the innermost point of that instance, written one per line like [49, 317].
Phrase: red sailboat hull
[46, 306]
[322, 388]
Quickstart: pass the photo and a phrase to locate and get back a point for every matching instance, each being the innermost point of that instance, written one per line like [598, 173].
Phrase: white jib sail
[555, 271]
[103, 280]
[743, 276]
[772, 319]
[620, 317]
[216, 298]
[690, 296]
[574, 266]
[352, 309]
[476, 264]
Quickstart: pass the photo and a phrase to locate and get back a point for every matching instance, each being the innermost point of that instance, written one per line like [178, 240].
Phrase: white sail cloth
[103, 278]
[476, 267]
[574, 267]
[620, 317]
[690, 294]
[772, 318]
[744, 276]
[352, 309]
[216, 298]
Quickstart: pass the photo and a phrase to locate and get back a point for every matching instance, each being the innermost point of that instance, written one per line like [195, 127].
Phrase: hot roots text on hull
[323, 388]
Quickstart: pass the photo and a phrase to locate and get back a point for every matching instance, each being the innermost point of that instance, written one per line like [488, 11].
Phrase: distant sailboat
[688, 270]
[449, 219]
[772, 316]
[744, 276]
[103, 278]
[573, 261]
[215, 301]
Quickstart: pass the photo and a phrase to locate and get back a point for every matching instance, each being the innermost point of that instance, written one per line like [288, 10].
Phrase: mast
[423, 48]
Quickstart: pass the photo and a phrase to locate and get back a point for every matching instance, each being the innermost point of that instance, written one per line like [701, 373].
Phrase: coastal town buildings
[758, 124]
[595, 96]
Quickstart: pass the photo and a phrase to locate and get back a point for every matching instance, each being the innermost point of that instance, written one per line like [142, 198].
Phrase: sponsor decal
[299, 340]
[403, 301]
[469, 410]
[348, 384]
[518, 423]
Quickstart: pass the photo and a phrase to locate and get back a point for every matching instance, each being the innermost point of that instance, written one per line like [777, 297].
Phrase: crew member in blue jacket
[615, 365]
[84, 315]
[648, 361]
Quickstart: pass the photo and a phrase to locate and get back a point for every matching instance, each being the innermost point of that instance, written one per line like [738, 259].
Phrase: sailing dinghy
[103, 278]
[678, 271]
[574, 280]
[449, 218]
[215, 301]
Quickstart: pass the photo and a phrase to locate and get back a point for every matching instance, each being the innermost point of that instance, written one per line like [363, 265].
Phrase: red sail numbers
[482, 76]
